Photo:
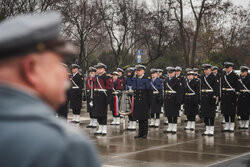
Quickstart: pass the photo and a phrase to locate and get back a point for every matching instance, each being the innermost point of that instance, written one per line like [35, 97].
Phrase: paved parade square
[184, 149]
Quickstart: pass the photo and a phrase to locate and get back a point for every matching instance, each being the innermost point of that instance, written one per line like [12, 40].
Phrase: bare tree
[120, 19]
[83, 25]
[13, 7]
[158, 30]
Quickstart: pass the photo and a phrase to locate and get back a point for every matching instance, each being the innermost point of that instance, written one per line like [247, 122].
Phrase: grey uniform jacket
[31, 136]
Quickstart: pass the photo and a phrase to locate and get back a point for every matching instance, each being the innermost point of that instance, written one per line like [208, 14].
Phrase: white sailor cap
[178, 68]
[139, 67]
[153, 70]
[120, 70]
[244, 68]
[101, 65]
[92, 69]
[228, 64]
[170, 69]
[75, 66]
[115, 73]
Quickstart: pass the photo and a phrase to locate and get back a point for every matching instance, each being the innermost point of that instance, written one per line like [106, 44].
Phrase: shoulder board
[178, 78]
[149, 77]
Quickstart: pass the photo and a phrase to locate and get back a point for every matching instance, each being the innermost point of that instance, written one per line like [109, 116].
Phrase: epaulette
[178, 78]
[149, 77]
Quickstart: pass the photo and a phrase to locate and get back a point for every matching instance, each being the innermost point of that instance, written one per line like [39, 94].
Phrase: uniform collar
[141, 76]
[16, 103]
[75, 74]
[208, 74]
[229, 72]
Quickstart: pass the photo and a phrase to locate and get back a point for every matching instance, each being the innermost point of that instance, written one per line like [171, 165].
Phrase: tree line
[169, 32]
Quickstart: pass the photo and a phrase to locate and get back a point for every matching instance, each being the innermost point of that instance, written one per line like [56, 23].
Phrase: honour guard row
[144, 98]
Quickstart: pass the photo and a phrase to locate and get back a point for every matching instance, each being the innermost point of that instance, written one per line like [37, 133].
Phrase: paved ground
[184, 149]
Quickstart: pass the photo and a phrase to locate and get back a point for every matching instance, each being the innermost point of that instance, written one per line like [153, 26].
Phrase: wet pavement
[184, 149]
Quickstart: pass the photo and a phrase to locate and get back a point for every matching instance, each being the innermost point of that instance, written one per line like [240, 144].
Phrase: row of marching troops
[148, 96]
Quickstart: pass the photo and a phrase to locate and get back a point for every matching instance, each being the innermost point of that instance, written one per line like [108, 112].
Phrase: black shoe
[165, 131]
[144, 136]
[224, 130]
[151, 126]
[97, 133]
[231, 131]
[192, 129]
[156, 126]
[165, 123]
[203, 134]
[137, 137]
[93, 126]
[89, 126]
[173, 132]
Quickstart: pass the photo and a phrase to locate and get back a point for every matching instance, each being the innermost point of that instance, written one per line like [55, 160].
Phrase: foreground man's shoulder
[67, 144]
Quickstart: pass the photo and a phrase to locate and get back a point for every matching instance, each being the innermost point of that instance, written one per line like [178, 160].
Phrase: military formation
[145, 98]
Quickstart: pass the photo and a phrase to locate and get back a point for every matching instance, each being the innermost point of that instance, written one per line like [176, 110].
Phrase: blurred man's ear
[28, 69]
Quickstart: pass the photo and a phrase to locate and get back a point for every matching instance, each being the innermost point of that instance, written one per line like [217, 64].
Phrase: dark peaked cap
[31, 32]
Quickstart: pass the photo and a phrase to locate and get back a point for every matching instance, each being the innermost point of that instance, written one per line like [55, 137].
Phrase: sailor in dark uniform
[160, 74]
[180, 76]
[129, 90]
[191, 99]
[142, 94]
[196, 71]
[209, 95]
[156, 98]
[101, 95]
[117, 87]
[121, 77]
[229, 92]
[76, 93]
[243, 105]
[162, 77]
[90, 96]
[215, 70]
[172, 100]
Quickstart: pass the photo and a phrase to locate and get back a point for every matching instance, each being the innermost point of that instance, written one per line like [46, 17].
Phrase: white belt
[100, 90]
[170, 91]
[75, 87]
[189, 94]
[115, 93]
[245, 91]
[228, 89]
[206, 90]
